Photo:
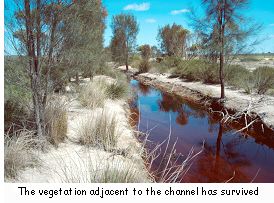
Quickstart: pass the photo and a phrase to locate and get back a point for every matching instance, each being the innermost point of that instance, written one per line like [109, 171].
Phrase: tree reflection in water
[224, 152]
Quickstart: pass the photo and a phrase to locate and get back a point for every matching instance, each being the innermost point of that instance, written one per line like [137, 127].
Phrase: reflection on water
[226, 155]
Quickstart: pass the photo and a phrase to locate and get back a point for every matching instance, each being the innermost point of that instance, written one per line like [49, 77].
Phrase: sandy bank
[237, 100]
[72, 162]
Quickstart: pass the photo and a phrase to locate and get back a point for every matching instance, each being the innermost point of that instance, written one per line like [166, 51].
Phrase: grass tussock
[19, 153]
[99, 130]
[56, 121]
[94, 94]
[117, 90]
[105, 169]
[119, 172]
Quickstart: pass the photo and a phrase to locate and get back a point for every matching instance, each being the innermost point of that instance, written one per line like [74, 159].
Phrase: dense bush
[239, 77]
[263, 79]
[198, 70]
[144, 66]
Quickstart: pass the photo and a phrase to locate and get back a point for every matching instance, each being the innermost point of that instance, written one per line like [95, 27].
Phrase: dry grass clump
[56, 121]
[101, 169]
[119, 172]
[99, 130]
[93, 94]
[19, 152]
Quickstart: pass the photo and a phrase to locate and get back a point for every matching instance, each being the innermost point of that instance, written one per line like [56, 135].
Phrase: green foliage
[17, 94]
[172, 39]
[239, 77]
[249, 59]
[144, 66]
[145, 51]
[199, 70]
[263, 79]
[84, 25]
[135, 61]
[124, 30]
[117, 90]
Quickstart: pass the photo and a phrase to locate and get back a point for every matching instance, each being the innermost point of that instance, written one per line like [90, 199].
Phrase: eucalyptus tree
[33, 28]
[225, 30]
[124, 33]
[172, 39]
[83, 29]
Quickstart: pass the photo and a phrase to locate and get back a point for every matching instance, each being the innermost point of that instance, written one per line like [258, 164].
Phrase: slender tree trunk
[77, 78]
[221, 20]
[127, 64]
[126, 55]
[34, 71]
[222, 82]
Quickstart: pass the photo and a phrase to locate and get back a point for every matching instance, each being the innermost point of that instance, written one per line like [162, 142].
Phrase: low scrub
[263, 79]
[144, 66]
[198, 70]
[56, 121]
[19, 153]
[99, 130]
[117, 90]
[239, 77]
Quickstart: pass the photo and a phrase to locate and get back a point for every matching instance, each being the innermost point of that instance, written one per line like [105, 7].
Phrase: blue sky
[152, 14]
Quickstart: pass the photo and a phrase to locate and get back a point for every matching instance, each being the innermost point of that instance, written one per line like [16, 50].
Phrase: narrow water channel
[227, 155]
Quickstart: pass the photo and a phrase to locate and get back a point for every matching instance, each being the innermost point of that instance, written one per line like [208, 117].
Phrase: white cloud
[138, 7]
[176, 12]
[151, 20]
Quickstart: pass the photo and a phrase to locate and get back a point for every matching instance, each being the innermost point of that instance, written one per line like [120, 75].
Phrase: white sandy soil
[72, 162]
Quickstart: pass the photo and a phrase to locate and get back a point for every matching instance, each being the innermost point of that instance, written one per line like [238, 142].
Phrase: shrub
[198, 70]
[239, 77]
[99, 130]
[117, 90]
[15, 114]
[172, 61]
[159, 67]
[250, 59]
[264, 79]
[18, 152]
[144, 66]
[56, 121]
[134, 61]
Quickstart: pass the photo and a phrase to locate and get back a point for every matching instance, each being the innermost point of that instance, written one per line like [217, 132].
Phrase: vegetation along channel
[223, 153]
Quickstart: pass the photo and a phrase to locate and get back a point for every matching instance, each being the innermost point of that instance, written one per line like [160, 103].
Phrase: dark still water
[226, 155]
